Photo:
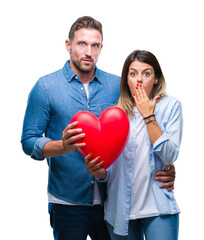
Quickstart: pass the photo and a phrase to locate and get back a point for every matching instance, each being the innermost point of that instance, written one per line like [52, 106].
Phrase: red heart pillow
[106, 136]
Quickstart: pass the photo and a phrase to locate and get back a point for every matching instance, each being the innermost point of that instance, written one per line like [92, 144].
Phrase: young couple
[139, 201]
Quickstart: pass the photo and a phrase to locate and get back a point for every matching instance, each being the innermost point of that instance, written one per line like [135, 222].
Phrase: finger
[71, 132]
[135, 97]
[165, 179]
[170, 188]
[155, 101]
[87, 158]
[70, 126]
[170, 168]
[73, 139]
[79, 145]
[138, 92]
[97, 166]
[67, 134]
[93, 162]
[163, 173]
[168, 185]
[142, 91]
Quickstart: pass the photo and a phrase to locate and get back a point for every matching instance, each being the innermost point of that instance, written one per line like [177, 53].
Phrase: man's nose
[88, 51]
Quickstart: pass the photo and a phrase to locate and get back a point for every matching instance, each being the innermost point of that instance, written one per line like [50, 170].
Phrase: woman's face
[141, 73]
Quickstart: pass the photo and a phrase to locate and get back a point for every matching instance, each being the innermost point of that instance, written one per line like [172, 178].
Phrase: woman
[136, 206]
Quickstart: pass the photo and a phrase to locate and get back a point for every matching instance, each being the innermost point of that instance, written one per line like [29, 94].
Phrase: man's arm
[167, 177]
[36, 120]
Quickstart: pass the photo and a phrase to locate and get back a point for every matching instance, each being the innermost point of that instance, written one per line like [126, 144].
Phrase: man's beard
[77, 64]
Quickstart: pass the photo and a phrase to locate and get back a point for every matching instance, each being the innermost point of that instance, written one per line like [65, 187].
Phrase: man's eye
[96, 46]
[82, 44]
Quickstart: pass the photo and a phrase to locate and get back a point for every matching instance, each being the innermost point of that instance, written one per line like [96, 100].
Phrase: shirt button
[81, 88]
[87, 106]
[92, 182]
[76, 77]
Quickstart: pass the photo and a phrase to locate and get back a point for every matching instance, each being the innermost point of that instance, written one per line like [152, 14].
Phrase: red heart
[105, 137]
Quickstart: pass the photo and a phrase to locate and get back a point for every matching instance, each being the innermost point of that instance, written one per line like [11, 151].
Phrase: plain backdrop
[32, 45]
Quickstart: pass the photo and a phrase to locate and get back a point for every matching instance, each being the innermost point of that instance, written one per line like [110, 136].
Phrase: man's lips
[87, 60]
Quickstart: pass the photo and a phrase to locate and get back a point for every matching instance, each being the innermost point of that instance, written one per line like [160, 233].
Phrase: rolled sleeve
[37, 152]
[167, 146]
[105, 179]
[166, 149]
[35, 122]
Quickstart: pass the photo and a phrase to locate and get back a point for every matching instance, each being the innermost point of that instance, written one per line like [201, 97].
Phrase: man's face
[84, 49]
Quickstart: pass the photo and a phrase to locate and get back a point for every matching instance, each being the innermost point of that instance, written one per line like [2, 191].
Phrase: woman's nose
[139, 79]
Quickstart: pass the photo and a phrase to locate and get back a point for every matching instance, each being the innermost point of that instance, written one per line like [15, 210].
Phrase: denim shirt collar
[71, 75]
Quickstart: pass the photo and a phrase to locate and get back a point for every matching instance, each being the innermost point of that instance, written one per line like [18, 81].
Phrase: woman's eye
[132, 74]
[146, 74]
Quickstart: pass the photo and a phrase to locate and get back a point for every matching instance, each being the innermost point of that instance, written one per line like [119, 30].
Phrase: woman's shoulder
[168, 103]
[169, 100]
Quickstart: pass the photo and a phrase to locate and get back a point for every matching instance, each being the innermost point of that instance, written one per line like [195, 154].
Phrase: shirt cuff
[105, 179]
[158, 144]
[37, 152]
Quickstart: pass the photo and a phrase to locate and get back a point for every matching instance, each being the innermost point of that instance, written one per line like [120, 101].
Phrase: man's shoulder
[109, 80]
[49, 81]
[52, 76]
[108, 75]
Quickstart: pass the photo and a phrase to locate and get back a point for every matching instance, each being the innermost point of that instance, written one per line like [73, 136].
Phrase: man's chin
[86, 69]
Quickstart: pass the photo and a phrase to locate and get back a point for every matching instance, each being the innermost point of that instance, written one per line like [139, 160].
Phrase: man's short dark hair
[85, 22]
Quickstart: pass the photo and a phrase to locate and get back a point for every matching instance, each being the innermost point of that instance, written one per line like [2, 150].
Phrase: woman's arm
[165, 144]
[167, 147]
[154, 131]
[146, 109]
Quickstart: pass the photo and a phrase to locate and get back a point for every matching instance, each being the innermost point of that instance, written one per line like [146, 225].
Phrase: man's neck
[86, 77]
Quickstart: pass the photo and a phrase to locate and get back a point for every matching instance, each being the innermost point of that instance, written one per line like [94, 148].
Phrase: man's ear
[101, 48]
[68, 45]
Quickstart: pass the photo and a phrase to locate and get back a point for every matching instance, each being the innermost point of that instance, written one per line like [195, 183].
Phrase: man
[75, 198]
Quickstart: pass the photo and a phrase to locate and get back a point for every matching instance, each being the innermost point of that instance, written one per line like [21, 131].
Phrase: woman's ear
[156, 81]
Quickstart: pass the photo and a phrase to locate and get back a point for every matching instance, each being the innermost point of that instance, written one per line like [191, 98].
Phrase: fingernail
[136, 87]
[133, 94]
[140, 85]
[137, 84]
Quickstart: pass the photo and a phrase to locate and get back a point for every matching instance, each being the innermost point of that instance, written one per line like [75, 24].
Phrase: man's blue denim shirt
[52, 102]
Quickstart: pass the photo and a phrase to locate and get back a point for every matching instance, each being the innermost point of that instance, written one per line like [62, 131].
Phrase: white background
[32, 45]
